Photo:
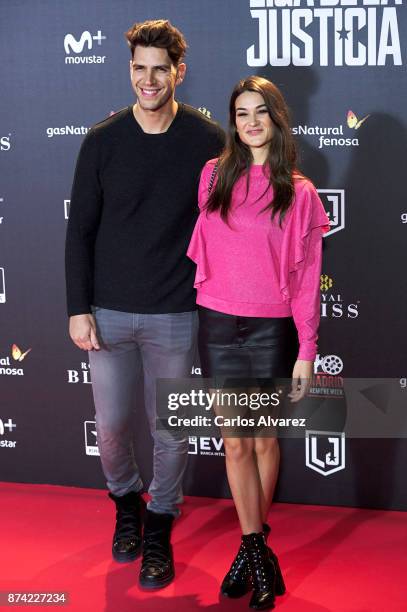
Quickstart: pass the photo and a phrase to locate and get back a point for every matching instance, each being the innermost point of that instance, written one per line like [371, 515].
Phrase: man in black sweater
[130, 292]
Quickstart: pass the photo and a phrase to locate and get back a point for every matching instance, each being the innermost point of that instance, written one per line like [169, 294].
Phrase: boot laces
[156, 547]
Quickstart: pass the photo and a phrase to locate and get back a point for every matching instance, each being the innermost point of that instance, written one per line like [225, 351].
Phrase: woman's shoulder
[303, 185]
[307, 207]
[208, 169]
[210, 164]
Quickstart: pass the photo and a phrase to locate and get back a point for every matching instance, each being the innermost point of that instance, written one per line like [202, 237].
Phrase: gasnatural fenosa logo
[6, 365]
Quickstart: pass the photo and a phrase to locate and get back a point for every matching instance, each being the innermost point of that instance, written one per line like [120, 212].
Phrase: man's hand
[302, 374]
[82, 329]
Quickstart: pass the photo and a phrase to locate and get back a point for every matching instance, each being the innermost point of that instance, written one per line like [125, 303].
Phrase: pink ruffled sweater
[252, 266]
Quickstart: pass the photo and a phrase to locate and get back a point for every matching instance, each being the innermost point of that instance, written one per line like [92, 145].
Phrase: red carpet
[333, 559]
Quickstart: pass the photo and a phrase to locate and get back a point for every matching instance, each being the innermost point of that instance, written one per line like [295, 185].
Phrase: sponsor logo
[5, 143]
[333, 136]
[330, 364]
[333, 33]
[7, 427]
[6, 366]
[2, 286]
[334, 204]
[206, 446]
[91, 441]
[353, 122]
[67, 130]
[205, 112]
[326, 381]
[325, 451]
[80, 376]
[333, 305]
[18, 354]
[67, 204]
[85, 42]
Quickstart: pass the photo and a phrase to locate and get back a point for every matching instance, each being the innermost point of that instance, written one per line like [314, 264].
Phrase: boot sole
[151, 586]
[126, 557]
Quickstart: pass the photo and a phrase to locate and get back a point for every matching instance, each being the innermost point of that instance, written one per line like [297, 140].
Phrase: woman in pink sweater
[257, 246]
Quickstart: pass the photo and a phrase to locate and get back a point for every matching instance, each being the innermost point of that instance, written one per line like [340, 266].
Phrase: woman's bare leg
[244, 482]
[267, 455]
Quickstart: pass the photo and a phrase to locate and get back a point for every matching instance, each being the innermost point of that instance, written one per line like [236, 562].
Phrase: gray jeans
[155, 346]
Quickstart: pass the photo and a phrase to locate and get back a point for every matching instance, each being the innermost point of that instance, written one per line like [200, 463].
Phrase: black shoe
[157, 566]
[127, 535]
[262, 571]
[280, 586]
[237, 581]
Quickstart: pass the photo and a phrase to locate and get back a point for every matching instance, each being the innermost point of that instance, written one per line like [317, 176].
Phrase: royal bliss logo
[81, 375]
[333, 304]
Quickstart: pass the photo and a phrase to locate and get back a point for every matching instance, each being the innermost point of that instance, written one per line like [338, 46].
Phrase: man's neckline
[170, 128]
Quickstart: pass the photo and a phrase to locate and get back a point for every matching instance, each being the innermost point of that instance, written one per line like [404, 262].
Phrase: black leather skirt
[246, 347]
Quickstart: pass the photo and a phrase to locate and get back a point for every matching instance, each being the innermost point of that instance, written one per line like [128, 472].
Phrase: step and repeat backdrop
[341, 65]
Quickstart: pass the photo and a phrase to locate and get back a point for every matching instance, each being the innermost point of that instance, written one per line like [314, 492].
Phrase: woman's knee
[263, 446]
[238, 449]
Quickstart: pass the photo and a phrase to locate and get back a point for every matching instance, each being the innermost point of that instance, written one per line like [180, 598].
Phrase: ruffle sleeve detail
[307, 213]
[197, 252]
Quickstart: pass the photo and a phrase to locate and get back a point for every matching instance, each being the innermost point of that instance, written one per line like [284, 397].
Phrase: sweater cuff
[307, 351]
[79, 310]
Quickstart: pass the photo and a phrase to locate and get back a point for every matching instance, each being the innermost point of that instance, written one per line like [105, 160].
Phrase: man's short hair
[158, 33]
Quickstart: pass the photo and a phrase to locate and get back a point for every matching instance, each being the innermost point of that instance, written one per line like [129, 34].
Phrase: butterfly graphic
[353, 121]
[18, 355]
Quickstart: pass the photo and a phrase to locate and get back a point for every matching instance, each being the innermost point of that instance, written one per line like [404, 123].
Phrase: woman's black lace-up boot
[262, 571]
[237, 581]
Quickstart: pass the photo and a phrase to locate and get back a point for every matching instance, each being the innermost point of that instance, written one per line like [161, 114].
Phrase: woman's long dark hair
[237, 158]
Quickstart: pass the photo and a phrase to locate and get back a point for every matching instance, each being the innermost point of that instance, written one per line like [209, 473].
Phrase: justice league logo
[334, 204]
[325, 451]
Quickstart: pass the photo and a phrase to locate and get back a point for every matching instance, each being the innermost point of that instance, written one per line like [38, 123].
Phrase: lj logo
[325, 451]
[334, 204]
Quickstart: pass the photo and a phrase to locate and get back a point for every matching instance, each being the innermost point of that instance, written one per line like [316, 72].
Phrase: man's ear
[181, 70]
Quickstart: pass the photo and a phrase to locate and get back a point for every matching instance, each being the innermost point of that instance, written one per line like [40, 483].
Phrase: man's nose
[149, 76]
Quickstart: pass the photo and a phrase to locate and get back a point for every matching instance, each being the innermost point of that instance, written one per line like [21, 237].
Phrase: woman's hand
[302, 374]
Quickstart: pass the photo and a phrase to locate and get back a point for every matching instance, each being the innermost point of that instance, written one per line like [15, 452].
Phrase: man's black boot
[157, 566]
[127, 540]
